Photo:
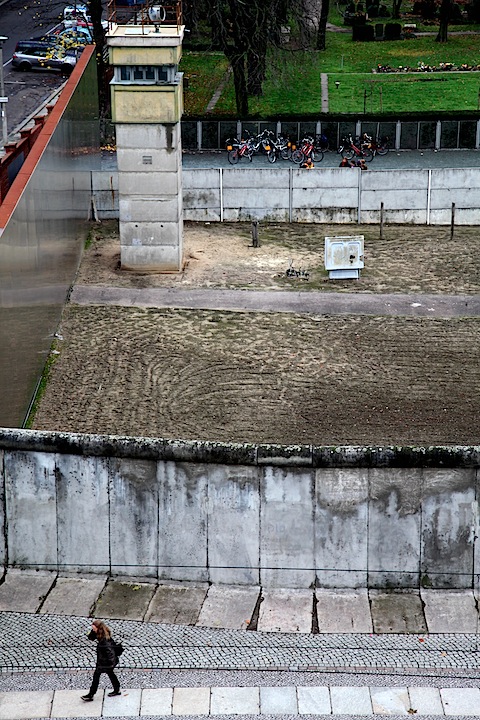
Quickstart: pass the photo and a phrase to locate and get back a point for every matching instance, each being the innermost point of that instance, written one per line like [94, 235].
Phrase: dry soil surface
[274, 377]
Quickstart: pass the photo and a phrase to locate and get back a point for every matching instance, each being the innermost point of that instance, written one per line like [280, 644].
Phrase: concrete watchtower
[145, 48]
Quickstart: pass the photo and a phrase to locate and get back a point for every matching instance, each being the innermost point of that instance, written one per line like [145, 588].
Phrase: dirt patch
[410, 259]
[284, 378]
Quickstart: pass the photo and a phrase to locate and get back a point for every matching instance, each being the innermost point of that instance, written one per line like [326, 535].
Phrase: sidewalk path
[318, 701]
[282, 301]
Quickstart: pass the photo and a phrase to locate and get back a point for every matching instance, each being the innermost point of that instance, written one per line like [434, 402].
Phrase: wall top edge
[306, 456]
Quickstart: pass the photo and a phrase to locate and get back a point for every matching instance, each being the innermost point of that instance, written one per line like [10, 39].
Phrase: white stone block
[235, 701]
[286, 610]
[461, 701]
[125, 705]
[390, 700]
[191, 701]
[425, 700]
[25, 705]
[228, 607]
[69, 704]
[343, 611]
[278, 701]
[156, 701]
[313, 701]
[350, 700]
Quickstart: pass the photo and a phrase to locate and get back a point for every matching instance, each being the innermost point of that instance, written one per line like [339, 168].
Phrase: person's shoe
[87, 698]
[114, 693]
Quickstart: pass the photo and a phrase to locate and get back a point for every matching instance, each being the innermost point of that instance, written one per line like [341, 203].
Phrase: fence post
[452, 223]
[255, 242]
[290, 194]
[220, 183]
[381, 221]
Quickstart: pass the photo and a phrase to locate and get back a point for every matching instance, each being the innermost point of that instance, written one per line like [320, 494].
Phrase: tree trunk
[95, 11]
[309, 22]
[237, 61]
[322, 27]
[445, 7]
[396, 5]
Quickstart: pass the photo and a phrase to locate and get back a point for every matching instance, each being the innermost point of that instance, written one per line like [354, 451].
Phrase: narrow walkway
[324, 86]
[320, 701]
[444, 306]
[218, 92]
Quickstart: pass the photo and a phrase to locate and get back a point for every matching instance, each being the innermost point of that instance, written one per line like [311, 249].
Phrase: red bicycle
[350, 149]
[307, 150]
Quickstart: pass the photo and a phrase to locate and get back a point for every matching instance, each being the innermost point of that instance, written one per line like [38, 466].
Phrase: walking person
[107, 659]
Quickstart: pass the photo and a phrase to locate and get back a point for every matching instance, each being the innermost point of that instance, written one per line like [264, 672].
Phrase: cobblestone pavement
[45, 642]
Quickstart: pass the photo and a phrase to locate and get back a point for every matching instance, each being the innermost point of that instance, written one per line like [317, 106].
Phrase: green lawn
[293, 80]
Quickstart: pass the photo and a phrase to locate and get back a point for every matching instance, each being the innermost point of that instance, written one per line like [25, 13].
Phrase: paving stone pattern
[46, 642]
[244, 701]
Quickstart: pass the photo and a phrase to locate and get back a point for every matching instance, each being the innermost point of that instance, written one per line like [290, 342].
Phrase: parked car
[43, 55]
[73, 37]
[77, 16]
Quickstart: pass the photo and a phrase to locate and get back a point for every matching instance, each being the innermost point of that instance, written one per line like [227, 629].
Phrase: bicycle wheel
[233, 157]
[272, 156]
[348, 153]
[317, 155]
[382, 149]
[297, 156]
[367, 154]
[285, 153]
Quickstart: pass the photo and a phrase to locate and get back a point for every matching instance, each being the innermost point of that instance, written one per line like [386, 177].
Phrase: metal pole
[452, 223]
[3, 100]
[381, 221]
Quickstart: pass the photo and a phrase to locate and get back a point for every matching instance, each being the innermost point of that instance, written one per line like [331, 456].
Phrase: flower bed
[423, 68]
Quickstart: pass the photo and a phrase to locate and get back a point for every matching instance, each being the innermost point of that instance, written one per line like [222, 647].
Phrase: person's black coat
[106, 657]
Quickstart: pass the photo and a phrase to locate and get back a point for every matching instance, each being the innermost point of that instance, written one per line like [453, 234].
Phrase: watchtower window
[145, 74]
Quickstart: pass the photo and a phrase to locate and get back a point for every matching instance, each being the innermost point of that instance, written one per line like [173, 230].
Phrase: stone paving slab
[156, 701]
[191, 701]
[73, 596]
[286, 610]
[25, 705]
[450, 611]
[313, 701]
[343, 611]
[397, 612]
[461, 701]
[426, 700]
[125, 600]
[235, 701]
[228, 606]
[245, 701]
[390, 701]
[278, 701]
[350, 700]
[177, 604]
[25, 591]
[125, 705]
[68, 704]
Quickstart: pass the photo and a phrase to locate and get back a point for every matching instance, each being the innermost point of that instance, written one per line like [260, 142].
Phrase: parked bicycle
[350, 148]
[307, 150]
[379, 146]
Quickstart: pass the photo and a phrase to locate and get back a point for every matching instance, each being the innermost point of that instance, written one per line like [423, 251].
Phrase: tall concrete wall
[241, 514]
[323, 195]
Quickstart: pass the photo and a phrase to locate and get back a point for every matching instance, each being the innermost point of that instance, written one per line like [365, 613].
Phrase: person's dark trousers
[96, 679]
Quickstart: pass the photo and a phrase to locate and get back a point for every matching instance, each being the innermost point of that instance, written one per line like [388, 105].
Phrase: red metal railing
[149, 12]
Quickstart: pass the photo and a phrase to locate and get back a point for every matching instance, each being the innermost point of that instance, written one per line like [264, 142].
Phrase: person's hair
[103, 631]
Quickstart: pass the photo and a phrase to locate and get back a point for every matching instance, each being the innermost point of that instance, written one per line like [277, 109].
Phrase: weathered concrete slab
[313, 701]
[394, 516]
[133, 492]
[156, 701]
[183, 510]
[25, 705]
[390, 701]
[461, 701]
[425, 700]
[278, 701]
[125, 600]
[287, 529]
[397, 612]
[33, 534]
[343, 611]
[341, 502]
[286, 610]
[125, 705]
[177, 604]
[350, 700]
[73, 596]
[450, 611]
[69, 704]
[228, 607]
[233, 493]
[24, 591]
[235, 701]
[191, 701]
[448, 518]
